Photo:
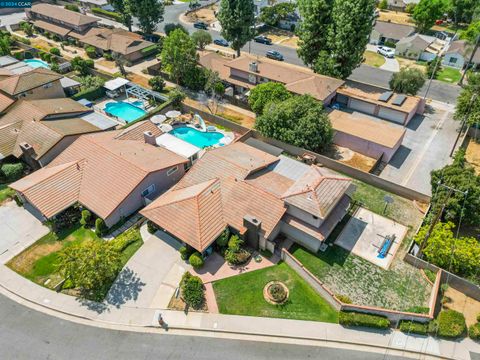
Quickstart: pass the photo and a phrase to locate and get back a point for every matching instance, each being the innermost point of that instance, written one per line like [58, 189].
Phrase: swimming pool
[198, 138]
[35, 63]
[124, 110]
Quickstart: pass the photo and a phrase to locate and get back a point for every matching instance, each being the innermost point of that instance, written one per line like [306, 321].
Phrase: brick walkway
[211, 299]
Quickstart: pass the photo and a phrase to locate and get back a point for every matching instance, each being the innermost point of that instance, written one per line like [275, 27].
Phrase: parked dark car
[263, 40]
[200, 25]
[275, 55]
[221, 42]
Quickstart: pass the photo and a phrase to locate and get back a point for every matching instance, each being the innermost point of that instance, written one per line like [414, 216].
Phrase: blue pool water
[198, 138]
[35, 63]
[124, 110]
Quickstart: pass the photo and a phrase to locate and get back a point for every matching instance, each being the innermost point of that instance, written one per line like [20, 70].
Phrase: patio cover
[177, 145]
[115, 84]
[67, 82]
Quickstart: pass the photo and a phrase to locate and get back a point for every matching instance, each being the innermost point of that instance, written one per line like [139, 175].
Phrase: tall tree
[468, 102]
[237, 18]
[461, 11]
[334, 34]
[123, 7]
[263, 94]
[427, 12]
[148, 12]
[179, 55]
[408, 81]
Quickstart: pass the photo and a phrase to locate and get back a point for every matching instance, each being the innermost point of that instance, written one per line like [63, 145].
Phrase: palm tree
[120, 62]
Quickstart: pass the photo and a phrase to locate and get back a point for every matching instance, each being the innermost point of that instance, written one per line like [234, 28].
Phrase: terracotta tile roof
[378, 132]
[5, 102]
[135, 132]
[315, 86]
[117, 40]
[317, 192]
[270, 181]
[62, 15]
[32, 79]
[200, 205]
[56, 29]
[108, 173]
[8, 138]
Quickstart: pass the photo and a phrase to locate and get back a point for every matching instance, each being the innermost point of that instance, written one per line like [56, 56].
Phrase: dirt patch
[397, 17]
[468, 306]
[207, 15]
[106, 63]
[352, 158]
[138, 79]
[24, 262]
[473, 155]
[41, 44]
[410, 63]
[283, 37]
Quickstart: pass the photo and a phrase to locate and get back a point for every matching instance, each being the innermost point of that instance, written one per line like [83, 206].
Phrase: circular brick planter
[267, 293]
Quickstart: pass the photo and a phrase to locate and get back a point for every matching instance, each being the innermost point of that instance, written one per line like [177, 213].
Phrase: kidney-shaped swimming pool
[198, 138]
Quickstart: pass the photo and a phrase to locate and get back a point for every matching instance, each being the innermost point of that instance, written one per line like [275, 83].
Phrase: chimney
[149, 138]
[29, 155]
[253, 226]
[253, 66]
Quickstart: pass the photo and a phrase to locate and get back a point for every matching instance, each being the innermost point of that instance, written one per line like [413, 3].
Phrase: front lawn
[5, 193]
[243, 295]
[38, 262]
[400, 288]
[449, 75]
[373, 59]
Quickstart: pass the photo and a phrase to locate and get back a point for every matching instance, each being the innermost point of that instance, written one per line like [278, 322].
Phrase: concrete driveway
[152, 274]
[19, 229]
[390, 64]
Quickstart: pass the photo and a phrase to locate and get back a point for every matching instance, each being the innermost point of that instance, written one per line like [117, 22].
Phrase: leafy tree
[123, 7]
[90, 82]
[202, 38]
[299, 120]
[100, 227]
[410, 8]
[461, 11]
[427, 12]
[193, 291]
[27, 28]
[271, 15]
[86, 216]
[265, 93]
[148, 13]
[55, 51]
[5, 45]
[214, 89]
[80, 65]
[408, 81]
[468, 102]
[383, 5]
[179, 55]
[176, 97]
[222, 240]
[11, 172]
[237, 18]
[434, 67]
[472, 32]
[461, 176]
[334, 39]
[91, 265]
[174, 26]
[157, 83]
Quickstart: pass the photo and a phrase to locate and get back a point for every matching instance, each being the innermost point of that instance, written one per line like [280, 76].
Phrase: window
[173, 170]
[453, 60]
[148, 190]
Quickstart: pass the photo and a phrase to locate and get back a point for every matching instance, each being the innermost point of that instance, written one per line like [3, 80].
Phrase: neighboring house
[255, 194]
[36, 131]
[245, 72]
[458, 55]
[398, 108]
[128, 45]
[388, 32]
[34, 84]
[93, 3]
[290, 22]
[112, 174]
[419, 47]
[59, 21]
[400, 5]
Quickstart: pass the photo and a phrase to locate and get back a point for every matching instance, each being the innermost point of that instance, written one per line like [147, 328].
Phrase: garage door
[300, 237]
[362, 106]
[393, 115]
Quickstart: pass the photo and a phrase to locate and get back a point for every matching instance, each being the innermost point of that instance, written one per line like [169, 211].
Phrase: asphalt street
[28, 334]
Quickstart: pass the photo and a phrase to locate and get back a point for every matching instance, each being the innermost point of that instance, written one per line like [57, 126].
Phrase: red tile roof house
[112, 174]
[255, 194]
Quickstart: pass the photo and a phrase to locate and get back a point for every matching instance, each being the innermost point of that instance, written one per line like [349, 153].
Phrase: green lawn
[5, 192]
[373, 59]
[449, 75]
[243, 295]
[399, 288]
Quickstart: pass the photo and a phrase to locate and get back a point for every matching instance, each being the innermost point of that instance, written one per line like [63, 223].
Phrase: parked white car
[386, 51]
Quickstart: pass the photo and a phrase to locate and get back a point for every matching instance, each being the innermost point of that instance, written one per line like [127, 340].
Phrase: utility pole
[475, 48]
[464, 121]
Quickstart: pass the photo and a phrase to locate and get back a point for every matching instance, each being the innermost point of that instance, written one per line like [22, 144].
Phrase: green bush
[193, 291]
[196, 260]
[100, 227]
[413, 327]
[235, 243]
[110, 14]
[91, 52]
[478, 317]
[450, 324]
[157, 83]
[149, 50]
[122, 241]
[19, 55]
[419, 310]
[366, 320]
[72, 7]
[28, 55]
[184, 252]
[343, 298]
[151, 227]
[55, 51]
[68, 284]
[474, 331]
[11, 172]
[86, 217]
[90, 94]
[237, 257]
[108, 56]
[222, 240]
[431, 275]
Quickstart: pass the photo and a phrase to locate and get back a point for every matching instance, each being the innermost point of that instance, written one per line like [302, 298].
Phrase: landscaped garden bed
[244, 295]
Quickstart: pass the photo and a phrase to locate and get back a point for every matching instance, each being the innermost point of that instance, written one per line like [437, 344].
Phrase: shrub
[237, 257]
[413, 327]
[235, 243]
[184, 252]
[419, 310]
[91, 52]
[72, 7]
[28, 55]
[122, 241]
[193, 291]
[86, 216]
[11, 172]
[196, 260]
[474, 331]
[151, 227]
[157, 83]
[431, 275]
[222, 240]
[277, 292]
[366, 320]
[108, 56]
[90, 94]
[176, 97]
[383, 5]
[110, 14]
[55, 51]
[450, 324]
[343, 298]
[100, 227]
[170, 27]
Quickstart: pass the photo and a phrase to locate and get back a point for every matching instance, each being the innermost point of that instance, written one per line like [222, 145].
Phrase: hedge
[366, 320]
[474, 331]
[110, 14]
[450, 324]
[122, 241]
[90, 94]
[196, 260]
[193, 291]
[414, 327]
[11, 172]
